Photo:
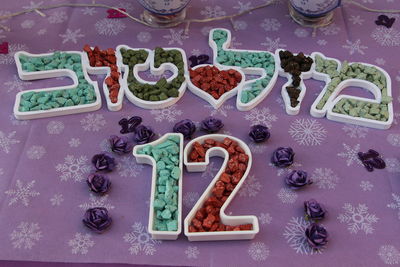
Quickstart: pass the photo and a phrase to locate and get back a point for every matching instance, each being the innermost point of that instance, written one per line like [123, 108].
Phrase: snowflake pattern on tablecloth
[355, 131]
[331, 29]
[192, 252]
[325, 178]
[241, 6]
[223, 110]
[386, 37]
[212, 12]
[140, 240]
[307, 132]
[33, 5]
[27, 24]
[366, 186]
[36, 152]
[389, 254]
[295, 236]
[262, 116]
[176, 36]
[81, 243]
[109, 27]
[143, 37]
[270, 24]
[240, 25]
[301, 33]
[16, 84]
[358, 218]
[380, 61]
[22, 193]
[93, 122]
[284, 171]
[16, 122]
[265, 218]
[127, 167]
[89, 11]
[395, 204]
[394, 139]
[258, 251]
[55, 127]
[322, 42]
[26, 235]
[287, 196]
[58, 16]
[169, 114]
[74, 142]
[105, 145]
[56, 199]
[7, 141]
[392, 165]
[250, 187]
[12, 49]
[350, 154]
[355, 47]
[257, 148]
[190, 198]
[97, 201]
[356, 20]
[71, 35]
[73, 168]
[210, 171]
[273, 44]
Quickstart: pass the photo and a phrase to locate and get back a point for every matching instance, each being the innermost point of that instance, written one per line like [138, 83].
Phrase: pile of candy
[35, 101]
[106, 58]
[207, 218]
[294, 65]
[214, 81]
[165, 203]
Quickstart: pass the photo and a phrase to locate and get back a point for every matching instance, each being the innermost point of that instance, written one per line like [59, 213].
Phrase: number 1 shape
[225, 219]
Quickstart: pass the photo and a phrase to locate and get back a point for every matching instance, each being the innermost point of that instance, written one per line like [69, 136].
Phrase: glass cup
[313, 12]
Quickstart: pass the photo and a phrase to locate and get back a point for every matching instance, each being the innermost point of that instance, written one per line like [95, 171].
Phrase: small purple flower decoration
[259, 133]
[371, 159]
[185, 127]
[124, 126]
[120, 145]
[143, 134]
[211, 125]
[316, 235]
[97, 219]
[314, 210]
[297, 179]
[98, 183]
[103, 162]
[282, 157]
[134, 122]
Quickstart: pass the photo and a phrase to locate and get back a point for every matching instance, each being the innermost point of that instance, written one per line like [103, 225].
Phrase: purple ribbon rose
[297, 179]
[143, 134]
[314, 210]
[259, 133]
[211, 125]
[282, 157]
[120, 145]
[316, 235]
[98, 183]
[97, 219]
[103, 162]
[185, 127]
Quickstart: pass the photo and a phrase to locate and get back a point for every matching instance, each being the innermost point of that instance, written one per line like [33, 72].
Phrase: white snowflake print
[89, 11]
[261, 116]
[140, 240]
[74, 142]
[56, 200]
[265, 218]
[355, 131]
[325, 178]
[307, 132]
[301, 33]
[41, 31]
[93, 122]
[272, 45]
[97, 201]
[251, 187]
[257, 148]
[222, 110]
[6, 141]
[206, 30]
[354, 47]
[73, 168]
[356, 20]
[190, 198]
[389, 254]
[395, 204]
[210, 171]
[358, 218]
[26, 235]
[258, 251]
[287, 196]
[380, 61]
[27, 24]
[192, 252]
[35, 152]
[270, 25]
[350, 154]
[81, 243]
[386, 37]
[71, 35]
[127, 167]
[55, 127]
[392, 165]
[16, 84]
[322, 42]
[393, 139]
[33, 5]
[240, 25]
[241, 7]
[212, 12]
[196, 52]
[235, 43]
[12, 49]
[177, 36]
[331, 29]
[169, 114]
[22, 193]
[16, 122]
[105, 145]
[295, 236]
[366, 186]
[284, 171]
[58, 17]
[109, 27]
[144, 37]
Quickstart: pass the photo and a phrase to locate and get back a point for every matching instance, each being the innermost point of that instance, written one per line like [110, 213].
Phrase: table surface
[44, 162]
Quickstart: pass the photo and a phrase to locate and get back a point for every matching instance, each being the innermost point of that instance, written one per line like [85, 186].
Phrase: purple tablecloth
[44, 162]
